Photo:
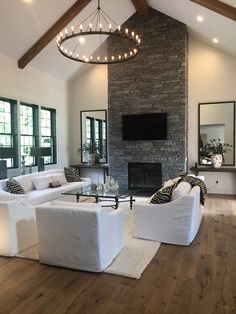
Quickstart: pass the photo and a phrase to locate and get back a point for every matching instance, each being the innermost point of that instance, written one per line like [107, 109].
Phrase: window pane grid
[47, 137]
[28, 138]
[6, 136]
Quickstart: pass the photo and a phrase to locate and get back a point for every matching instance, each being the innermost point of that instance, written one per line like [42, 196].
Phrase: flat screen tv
[149, 126]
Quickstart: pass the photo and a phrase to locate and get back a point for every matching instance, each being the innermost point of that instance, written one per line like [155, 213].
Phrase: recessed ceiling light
[200, 18]
[215, 40]
[27, 1]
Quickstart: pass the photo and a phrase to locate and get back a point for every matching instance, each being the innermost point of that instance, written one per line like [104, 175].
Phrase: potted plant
[215, 150]
[90, 151]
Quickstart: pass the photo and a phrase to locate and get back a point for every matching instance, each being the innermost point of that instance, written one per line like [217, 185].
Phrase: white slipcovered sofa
[79, 235]
[17, 211]
[175, 222]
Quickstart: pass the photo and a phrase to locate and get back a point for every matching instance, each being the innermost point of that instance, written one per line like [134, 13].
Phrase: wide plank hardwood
[196, 279]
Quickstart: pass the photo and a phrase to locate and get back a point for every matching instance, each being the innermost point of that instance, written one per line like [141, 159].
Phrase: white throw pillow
[25, 182]
[41, 182]
[60, 177]
[181, 189]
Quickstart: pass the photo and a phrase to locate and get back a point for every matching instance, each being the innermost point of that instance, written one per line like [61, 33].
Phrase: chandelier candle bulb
[110, 27]
[119, 28]
[112, 58]
[90, 26]
[100, 26]
[132, 34]
[126, 30]
[81, 27]
[66, 31]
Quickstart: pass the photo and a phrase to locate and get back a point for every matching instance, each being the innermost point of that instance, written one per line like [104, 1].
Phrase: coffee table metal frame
[116, 196]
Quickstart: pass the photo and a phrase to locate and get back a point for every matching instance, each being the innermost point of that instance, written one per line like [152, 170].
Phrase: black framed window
[29, 131]
[48, 133]
[8, 128]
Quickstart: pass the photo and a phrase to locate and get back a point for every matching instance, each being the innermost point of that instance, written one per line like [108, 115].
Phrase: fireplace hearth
[145, 177]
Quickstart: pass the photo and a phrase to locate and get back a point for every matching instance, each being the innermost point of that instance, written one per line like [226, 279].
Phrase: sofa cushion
[25, 182]
[181, 189]
[41, 182]
[12, 186]
[72, 174]
[163, 195]
[60, 177]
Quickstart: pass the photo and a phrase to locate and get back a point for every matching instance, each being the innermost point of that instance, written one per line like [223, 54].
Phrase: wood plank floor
[196, 279]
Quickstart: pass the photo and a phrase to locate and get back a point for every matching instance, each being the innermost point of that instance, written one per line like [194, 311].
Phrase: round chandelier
[87, 41]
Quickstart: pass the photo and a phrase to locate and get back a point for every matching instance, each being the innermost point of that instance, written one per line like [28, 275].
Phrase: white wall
[37, 87]
[89, 92]
[212, 77]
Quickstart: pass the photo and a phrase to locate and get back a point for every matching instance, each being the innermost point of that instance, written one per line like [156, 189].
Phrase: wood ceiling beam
[141, 6]
[218, 7]
[66, 18]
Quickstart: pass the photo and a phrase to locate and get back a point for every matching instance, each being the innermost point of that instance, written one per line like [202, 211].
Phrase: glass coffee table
[116, 196]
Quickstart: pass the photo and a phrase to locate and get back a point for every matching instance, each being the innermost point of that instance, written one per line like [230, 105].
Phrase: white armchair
[78, 236]
[17, 227]
[176, 222]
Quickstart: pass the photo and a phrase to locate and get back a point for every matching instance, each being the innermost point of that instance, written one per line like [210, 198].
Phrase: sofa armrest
[17, 227]
[169, 222]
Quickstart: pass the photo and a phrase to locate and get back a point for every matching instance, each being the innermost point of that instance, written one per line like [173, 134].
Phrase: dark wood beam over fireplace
[141, 6]
[218, 7]
[66, 18]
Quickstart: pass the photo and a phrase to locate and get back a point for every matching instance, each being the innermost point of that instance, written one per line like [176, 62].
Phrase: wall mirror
[216, 122]
[93, 125]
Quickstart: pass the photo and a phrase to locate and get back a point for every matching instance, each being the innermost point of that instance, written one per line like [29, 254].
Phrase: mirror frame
[199, 126]
[81, 135]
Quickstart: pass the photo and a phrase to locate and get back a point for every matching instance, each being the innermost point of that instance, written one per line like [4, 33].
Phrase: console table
[103, 167]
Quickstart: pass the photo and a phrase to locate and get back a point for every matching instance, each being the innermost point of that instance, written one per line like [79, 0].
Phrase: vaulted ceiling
[23, 23]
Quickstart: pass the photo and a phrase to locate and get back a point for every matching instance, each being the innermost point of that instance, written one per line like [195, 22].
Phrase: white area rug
[132, 260]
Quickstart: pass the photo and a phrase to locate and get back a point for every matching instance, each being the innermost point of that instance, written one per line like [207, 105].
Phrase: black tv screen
[150, 126]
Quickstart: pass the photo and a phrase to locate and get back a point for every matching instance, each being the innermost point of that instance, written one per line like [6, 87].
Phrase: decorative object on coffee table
[111, 184]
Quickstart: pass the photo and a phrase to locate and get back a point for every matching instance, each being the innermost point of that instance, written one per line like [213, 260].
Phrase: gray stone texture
[154, 81]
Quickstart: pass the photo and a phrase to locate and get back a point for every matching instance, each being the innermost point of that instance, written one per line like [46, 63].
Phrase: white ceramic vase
[216, 160]
[91, 159]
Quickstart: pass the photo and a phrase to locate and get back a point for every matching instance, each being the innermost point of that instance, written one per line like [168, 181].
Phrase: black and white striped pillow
[163, 195]
[12, 186]
[72, 174]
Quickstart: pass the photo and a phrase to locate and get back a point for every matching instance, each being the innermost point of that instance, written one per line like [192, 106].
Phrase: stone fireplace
[155, 81]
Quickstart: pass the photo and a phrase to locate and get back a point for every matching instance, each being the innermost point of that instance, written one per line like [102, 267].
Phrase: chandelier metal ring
[126, 52]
